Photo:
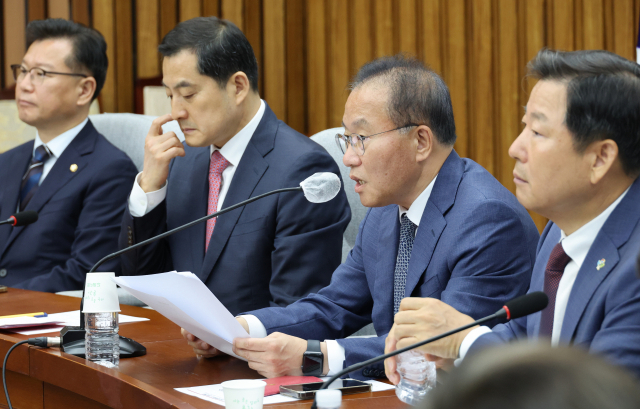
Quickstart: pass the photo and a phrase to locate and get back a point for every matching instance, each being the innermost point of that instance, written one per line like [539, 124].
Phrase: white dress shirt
[335, 351]
[56, 146]
[141, 203]
[577, 246]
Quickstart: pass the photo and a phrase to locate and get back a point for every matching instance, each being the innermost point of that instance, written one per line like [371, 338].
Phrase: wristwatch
[312, 359]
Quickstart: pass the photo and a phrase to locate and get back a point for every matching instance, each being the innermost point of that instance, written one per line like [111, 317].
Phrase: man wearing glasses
[440, 226]
[71, 175]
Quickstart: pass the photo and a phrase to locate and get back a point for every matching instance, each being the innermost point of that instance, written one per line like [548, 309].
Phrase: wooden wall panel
[37, 10]
[296, 78]
[274, 57]
[104, 21]
[338, 61]
[309, 50]
[316, 67]
[13, 36]
[190, 9]
[147, 24]
[59, 9]
[233, 10]
[124, 55]
[80, 12]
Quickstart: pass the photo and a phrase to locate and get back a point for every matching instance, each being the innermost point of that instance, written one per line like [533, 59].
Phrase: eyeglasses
[37, 74]
[357, 141]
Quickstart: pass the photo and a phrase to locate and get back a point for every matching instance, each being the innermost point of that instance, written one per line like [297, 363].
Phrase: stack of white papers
[53, 322]
[213, 393]
[186, 301]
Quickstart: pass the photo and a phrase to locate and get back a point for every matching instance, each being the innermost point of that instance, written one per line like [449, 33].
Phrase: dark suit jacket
[474, 250]
[270, 252]
[79, 214]
[603, 312]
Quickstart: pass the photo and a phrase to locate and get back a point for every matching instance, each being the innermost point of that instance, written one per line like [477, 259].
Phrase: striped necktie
[31, 179]
[217, 165]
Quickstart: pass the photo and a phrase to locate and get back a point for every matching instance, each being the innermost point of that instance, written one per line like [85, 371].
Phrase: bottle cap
[329, 398]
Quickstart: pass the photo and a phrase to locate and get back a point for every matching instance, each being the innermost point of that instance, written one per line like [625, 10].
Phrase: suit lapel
[200, 175]
[12, 174]
[614, 234]
[250, 170]
[432, 223]
[60, 174]
[387, 251]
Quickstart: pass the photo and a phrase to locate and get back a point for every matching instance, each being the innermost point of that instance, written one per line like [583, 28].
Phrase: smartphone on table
[308, 390]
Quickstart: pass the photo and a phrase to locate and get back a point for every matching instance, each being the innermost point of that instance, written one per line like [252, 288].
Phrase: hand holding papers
[186, 301]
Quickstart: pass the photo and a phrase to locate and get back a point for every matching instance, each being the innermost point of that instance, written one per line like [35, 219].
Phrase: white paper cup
[243, 394]
[100, 293]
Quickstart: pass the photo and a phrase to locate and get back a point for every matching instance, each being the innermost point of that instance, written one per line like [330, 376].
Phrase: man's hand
[159, 149]
[422, 318]
[276, 355]
[201, 348]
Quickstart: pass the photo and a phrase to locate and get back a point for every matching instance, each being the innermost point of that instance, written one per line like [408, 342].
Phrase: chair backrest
[327, 140]
[128, 131]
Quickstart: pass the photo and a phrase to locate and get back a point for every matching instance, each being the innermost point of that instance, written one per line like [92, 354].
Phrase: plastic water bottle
[328, 398]
[102, 344]
[417, 377]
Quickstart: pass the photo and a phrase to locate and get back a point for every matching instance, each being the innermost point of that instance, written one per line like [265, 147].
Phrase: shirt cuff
[335, 357]
[256, 328]
[468, 341]
[141, 203]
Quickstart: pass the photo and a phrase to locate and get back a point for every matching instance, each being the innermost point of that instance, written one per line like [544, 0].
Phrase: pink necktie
[217, 165]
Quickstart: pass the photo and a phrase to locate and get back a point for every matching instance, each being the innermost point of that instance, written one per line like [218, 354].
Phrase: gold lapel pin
[600, 264]
[73, 167]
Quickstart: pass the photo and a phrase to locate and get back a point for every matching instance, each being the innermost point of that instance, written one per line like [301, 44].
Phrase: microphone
[518, 307]
[22, 218]
[317, 188]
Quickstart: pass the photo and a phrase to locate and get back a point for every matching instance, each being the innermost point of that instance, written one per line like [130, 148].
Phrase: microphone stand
[72, 338]
[499, 314]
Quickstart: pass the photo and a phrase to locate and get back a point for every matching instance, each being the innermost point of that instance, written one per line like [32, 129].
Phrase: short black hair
[89, 48]
[603, 98]
[221, 48]
[418, 94]
[524, 375]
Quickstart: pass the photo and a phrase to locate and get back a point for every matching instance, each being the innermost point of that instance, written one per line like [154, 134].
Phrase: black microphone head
[526, 304]
[24, 218]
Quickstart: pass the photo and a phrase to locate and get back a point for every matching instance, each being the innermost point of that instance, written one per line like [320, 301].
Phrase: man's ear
[239, 86]
[425, 139]
[86, 89]
[602, 157]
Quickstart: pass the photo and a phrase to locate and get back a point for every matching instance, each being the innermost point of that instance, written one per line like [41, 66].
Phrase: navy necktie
[558, 260]
[32, 177]
[407, 236]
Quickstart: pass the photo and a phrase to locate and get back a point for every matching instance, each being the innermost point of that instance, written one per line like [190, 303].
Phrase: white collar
[235, 147]
[578, 243]
[58, 144]
[414, 213]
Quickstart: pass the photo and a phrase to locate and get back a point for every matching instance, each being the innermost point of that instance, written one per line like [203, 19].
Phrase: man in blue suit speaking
[440, 226]
[71, 175]
[577, 162]
[270, 252]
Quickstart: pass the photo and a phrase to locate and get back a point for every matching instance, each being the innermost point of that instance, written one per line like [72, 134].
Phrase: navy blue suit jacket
[474, 250]
[603, 312]
[270, 252]
[79, 214]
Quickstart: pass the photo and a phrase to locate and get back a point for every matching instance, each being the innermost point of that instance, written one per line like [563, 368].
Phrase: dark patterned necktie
[407, 236]
[32, 177]
[558, 260]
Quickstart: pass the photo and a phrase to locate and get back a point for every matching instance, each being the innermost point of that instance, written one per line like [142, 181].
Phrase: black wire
[4, 368]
